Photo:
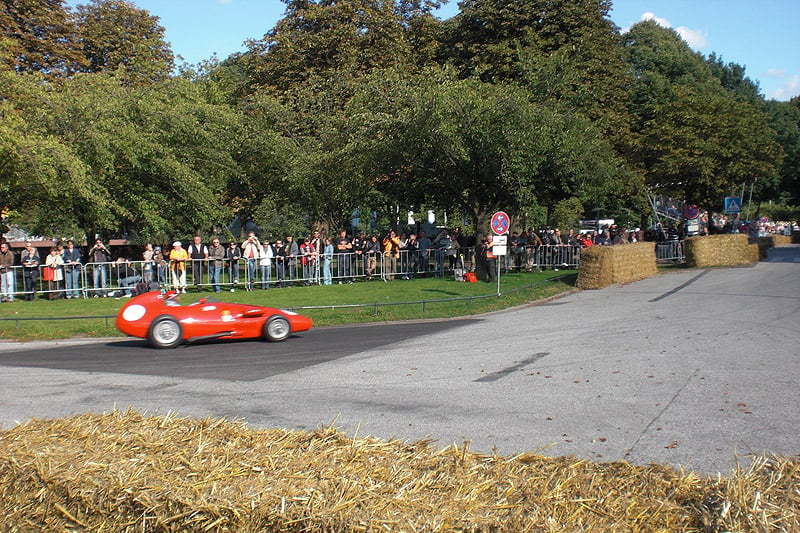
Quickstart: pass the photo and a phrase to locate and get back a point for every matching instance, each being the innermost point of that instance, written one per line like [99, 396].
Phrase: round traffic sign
[691, 211]
[500, 223]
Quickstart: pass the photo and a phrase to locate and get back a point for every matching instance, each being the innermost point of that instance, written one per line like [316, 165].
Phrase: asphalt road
[694, 368]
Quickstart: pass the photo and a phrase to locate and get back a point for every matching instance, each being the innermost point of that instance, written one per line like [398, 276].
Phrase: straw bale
[720, 250]
[595, 268]
[124, 471]
[770, 241]
[602, 266]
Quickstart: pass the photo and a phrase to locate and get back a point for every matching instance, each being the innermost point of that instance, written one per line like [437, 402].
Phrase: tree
[475, 148]
[566, 52]
[338, 39]
[157, 159]
[39, 36]
[696, 140]
[785, 120]
[115, 34]
[704, 144]
[37, 170]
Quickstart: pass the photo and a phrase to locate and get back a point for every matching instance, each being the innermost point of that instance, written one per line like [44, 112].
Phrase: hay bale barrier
[720, 250]
[602, 266]
[127, 472]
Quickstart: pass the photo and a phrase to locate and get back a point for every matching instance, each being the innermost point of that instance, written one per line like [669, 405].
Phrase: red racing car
[161, 319]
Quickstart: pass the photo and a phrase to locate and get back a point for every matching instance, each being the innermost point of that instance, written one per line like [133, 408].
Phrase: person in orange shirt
[391, 252]
[177, 263]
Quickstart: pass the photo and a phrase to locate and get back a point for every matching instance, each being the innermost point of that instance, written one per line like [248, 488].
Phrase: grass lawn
[378, 301]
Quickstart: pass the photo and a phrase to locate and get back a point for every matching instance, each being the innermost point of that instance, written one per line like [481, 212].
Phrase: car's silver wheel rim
[278, 328]
[166, 332]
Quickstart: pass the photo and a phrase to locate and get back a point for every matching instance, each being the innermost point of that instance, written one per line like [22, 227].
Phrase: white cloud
[775, 73]
[696, 39]
[789, 89]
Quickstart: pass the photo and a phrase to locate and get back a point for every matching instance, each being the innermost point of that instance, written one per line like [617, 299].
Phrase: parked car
[166, 323]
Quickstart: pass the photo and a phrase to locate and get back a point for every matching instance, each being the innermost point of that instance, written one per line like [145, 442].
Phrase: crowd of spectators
[311, 259]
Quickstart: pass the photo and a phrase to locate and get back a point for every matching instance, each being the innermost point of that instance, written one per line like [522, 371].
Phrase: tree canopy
[537, 107]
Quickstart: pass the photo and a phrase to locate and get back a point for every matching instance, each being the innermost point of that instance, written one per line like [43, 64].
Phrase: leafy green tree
[473, 147]
[696, 140]
[732, 77]
[39, 36]
[567, 213]
[42, 179]
[341, 39]
[115, 34]
[158, 158]
[785, 120]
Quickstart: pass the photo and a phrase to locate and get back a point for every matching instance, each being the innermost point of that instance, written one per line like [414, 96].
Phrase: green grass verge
[431, 297]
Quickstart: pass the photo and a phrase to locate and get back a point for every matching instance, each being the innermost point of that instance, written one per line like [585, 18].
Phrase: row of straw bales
[126, 472]
[602, 266]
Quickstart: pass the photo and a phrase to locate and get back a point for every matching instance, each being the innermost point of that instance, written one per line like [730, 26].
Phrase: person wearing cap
[177, 261]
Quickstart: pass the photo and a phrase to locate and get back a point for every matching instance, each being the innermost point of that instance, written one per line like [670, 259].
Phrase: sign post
[500, 226]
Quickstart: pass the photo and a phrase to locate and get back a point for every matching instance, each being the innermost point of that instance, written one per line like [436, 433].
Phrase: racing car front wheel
[277, 329]
[165, 332]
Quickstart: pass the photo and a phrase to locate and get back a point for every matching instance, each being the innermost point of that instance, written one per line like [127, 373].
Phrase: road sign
[500, 245]
[691, 211]
[500, 223]
[733, 204]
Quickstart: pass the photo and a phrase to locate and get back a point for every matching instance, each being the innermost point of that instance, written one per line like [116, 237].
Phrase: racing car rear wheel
[165, 332]
[277, 329]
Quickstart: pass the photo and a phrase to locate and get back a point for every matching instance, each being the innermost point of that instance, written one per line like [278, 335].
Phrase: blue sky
[761, 35]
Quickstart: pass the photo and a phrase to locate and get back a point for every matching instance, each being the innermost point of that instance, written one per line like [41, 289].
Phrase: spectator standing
[232, 255]
[267, 252]
[72, 269]
[317, 243]
[280, 262]
[216, 257]
[410, 257]
[198, 252]
[55, 263]
[308, 259]
[250, 248]
[440, 244]
[326, 263]
[373, 253]
[291, 251]
[147, 263]
[30, 270]
[7, 288]
[99, 256]
[344, 249]
[177, 263]
[161, 265]
[491, 259]
[391, 252]
[424, 251]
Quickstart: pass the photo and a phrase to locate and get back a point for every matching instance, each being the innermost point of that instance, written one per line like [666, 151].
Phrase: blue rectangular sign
[733, 204]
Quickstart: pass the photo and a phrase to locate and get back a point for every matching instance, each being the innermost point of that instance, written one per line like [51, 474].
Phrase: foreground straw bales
[720, 250]
[129, 472]
[602, 266]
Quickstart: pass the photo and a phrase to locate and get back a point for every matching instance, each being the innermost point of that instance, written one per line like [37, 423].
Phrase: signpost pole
[500, 226]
